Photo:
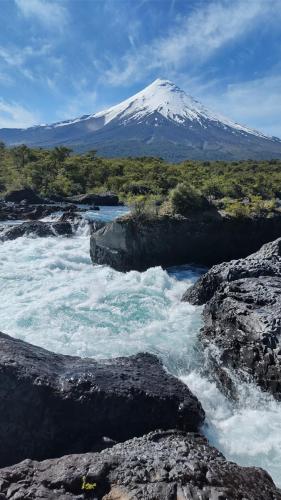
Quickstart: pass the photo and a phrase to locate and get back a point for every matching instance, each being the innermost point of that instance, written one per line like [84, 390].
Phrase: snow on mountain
[165, 98]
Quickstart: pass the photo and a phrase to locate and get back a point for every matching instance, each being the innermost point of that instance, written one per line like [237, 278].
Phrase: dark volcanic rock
[39, 212]
[37, 228]
[242, 318]
[138, 243]
[104, 199]
[96, 225]
[265, 262]
[26, 194]
[23, 211]
[159, 466]
[54, 404]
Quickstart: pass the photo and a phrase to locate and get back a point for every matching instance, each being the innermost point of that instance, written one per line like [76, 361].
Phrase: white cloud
[50, 13]
[13, 114]
[11, 57]
[255, 103]
[193, 39]
[17, 58]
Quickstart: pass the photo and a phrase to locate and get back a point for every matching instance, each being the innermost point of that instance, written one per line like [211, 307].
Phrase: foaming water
[52, 296]
[248, 431]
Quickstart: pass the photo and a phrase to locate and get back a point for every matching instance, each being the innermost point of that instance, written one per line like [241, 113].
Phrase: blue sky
[65, 58]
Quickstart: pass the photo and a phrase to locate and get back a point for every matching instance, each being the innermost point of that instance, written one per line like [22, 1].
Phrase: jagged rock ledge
[36, 228]
[169, 465]
[54, 404]
[141, 242]
[30, 197]
[242, 318]
[22, 211]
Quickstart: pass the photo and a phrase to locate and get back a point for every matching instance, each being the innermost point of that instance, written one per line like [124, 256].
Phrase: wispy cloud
[193, 39]
[13, 114]
[255, 103]
[16, 58]
[52, 14]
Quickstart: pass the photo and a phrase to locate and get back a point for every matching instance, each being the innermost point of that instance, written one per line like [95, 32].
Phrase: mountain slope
[161, 120]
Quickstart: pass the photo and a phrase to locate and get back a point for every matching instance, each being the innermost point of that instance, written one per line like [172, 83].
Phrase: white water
[52, 296]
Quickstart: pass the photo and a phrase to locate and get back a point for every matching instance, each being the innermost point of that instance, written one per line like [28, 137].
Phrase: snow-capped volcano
[165, 98]
[161, 120]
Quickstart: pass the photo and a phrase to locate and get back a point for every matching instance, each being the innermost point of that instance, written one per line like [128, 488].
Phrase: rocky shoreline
[50, 397]
[242, 318]
[57, 406]
[26, 206]
[169, 465]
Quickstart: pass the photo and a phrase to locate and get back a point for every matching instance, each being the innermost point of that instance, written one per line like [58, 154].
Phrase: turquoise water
[52, 296]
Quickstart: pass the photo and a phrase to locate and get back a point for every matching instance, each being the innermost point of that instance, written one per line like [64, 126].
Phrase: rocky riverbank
[46, 398]
[206, 239]
[57, 406]
[26, 204]
[242, 318]
[169, 465]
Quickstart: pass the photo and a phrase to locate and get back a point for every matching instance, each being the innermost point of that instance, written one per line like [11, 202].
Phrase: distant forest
[239, 187]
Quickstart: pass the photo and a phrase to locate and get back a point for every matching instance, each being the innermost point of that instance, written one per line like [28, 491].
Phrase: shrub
[185, 198]
[237, 209]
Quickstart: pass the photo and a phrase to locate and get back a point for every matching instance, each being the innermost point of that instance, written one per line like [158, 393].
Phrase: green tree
[21, 155]
[60, 153]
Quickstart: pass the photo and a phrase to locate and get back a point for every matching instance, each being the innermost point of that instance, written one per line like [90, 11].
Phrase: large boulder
[38, 228]
[159, 466]
[53, 404]
[24, 194]
[242, 319]
[103, 199]
[265, 262]
[141, 242]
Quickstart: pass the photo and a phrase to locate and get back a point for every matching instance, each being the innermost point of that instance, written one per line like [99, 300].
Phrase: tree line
[60, 171]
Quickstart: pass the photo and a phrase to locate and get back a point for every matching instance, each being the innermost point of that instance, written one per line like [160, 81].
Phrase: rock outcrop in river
[141, 242]
[38, 228]
[168, 465]
[53, 404]
[23, 211]
[102, 199]
[242, 318]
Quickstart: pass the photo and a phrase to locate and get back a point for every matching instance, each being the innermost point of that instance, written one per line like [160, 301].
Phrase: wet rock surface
[103, 199]
[23, 211]
[36, 228]
[242, 318]
[53, 404]
[139, 243]
[265, 262]
[169, 465]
